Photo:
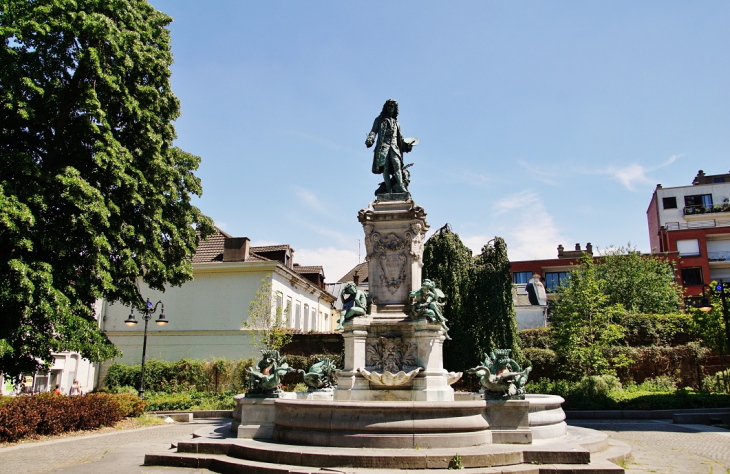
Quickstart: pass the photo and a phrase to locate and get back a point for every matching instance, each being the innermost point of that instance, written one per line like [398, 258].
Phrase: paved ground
[119, 452]
[657, 447]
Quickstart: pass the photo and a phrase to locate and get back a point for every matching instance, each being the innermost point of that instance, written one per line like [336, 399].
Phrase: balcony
[723, 256]
[703, 224]
[700, 210]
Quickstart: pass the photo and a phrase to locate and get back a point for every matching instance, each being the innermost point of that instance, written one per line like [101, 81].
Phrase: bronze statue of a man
[388, 154]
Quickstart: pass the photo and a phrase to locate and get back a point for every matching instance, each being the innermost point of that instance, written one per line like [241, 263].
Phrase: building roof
[318, 269]
[269, 248]
[362, 271]
[211, 249]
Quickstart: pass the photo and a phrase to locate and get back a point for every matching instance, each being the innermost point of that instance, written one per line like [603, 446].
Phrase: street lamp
[705, 306]
[147, 311]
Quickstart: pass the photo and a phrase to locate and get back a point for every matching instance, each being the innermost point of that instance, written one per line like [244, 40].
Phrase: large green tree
[479, 303]
[447, 261]
[640, 283]
[585, 322]
[92, 193]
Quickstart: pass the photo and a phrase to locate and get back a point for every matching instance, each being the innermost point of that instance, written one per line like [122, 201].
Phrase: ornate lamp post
[147, 311]
[705, 306]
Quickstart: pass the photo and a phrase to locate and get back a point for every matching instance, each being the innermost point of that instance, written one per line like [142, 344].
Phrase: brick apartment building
[694, 221]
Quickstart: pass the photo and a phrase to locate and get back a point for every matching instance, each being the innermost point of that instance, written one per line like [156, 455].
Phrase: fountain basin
[468, 421]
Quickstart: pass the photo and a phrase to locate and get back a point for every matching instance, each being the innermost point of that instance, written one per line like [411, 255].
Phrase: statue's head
[350, 288]
[390, 109]
[269, 357]
[428, 284]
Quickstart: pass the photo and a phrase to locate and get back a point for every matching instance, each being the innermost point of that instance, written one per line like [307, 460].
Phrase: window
[298, 315]
[288, 310]
[697, 204]
[692, 276]
[554, 279]
[718, 180]
[688, 248]
[670, 202]
[315, 321]
[279, 303]
[521, 278]
[307, 326]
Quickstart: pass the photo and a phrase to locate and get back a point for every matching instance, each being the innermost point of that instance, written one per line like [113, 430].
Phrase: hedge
[48, 414]
[186, 374]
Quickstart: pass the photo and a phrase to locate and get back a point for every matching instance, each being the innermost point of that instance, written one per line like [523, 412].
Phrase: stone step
[328, 457]
[618, 453]
[225, 465]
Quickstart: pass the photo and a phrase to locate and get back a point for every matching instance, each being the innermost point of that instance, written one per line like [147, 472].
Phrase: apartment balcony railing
[697, 224]
[719, 256]
[695, 210]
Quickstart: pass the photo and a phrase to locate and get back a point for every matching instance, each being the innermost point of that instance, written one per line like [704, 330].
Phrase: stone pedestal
[388, 342]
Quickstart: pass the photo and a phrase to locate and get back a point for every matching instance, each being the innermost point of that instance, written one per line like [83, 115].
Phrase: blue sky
[544, 123]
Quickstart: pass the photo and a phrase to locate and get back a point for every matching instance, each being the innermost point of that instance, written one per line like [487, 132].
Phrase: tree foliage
[710, 325]
[584, 323]
[267, 320]
[479, 304]
[447, 261]
[640, 283]
[92, 193]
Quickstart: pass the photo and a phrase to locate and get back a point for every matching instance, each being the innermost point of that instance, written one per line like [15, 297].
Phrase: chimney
[589, 248]
[236, 249]
[560, 250]
[356, 278]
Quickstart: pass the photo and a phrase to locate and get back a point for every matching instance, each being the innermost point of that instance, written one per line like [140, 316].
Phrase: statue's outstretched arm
[373, 131]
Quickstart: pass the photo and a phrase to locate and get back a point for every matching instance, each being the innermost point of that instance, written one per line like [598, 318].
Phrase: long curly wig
[385, 106]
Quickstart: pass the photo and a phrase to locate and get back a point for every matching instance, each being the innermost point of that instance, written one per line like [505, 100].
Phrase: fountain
[393, 406]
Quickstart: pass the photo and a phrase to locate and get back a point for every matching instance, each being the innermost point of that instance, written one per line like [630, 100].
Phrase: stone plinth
[388, 339]
[394, 236]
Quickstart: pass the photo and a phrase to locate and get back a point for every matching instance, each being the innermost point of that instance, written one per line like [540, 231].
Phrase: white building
[67, 367]
[206, 315]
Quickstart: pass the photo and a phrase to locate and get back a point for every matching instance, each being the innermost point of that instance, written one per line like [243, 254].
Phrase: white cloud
[313, 202]
[515, 201]
[526, 226]
[634, 175]
[545, 176]
[336, 262]
[630, 176]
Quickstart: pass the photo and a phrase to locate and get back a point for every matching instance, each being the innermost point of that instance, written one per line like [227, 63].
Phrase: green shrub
[186, 374]
[597, 385]
[544, 362]
[539, 338]
[718, 383]
[657, 329]
[130, 405]
[190, 400]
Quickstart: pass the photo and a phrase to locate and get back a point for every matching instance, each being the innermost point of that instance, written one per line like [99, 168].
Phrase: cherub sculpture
[267, 379]
[354, 303]
[500, 376]
[321, 376]
[428, 302]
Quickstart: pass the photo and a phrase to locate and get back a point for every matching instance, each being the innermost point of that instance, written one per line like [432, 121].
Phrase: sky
[544, 123]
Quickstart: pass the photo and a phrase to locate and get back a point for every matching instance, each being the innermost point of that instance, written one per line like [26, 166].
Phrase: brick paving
[118, 452]
[658, 446]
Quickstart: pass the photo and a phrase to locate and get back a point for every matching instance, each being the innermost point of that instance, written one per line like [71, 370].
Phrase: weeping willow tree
[479, 303]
